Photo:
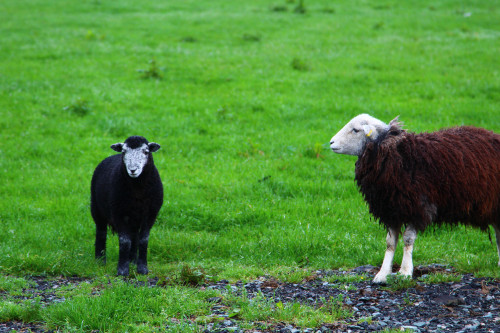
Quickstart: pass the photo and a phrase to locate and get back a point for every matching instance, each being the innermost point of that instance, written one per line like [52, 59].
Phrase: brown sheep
[414, 180]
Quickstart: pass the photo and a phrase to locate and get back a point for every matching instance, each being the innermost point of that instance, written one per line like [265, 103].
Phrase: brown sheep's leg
[409, 237]
[386, 269]
[497, 235]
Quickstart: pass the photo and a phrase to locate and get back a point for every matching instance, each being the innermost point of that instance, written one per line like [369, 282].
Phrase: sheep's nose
[133, 171]
[332, 142]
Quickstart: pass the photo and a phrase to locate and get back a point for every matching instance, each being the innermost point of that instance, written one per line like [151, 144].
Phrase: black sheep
[127, 194]
[415, 180]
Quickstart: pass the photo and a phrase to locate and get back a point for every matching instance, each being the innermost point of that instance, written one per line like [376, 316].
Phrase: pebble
[420, 324]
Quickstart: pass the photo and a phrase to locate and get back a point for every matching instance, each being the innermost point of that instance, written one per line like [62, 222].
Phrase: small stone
[448, 300]
[472, 327]
[214, 299]
[364, 324]
[420, 323]
[365, 269]
[408, 327]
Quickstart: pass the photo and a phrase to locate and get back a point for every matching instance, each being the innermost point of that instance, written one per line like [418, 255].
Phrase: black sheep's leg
[100, 242]
[142, 261]
[124, 253]
[133, 248]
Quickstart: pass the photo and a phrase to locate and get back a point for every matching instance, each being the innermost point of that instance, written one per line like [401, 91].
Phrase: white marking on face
[351, 139]
[135, 159]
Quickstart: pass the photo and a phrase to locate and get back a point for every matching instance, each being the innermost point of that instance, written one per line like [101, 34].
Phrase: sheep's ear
[153, 146]
[394, 121]
[369, 130]
[117, 147]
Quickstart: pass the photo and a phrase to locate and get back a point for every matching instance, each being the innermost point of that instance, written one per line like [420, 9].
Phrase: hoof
[123, 271]
[142, 270]
[380, 280]
[381, 277]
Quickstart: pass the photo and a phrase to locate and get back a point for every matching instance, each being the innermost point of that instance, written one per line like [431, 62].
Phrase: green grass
[26, 311]
[123, 306]
[260, 309]
[243, 96]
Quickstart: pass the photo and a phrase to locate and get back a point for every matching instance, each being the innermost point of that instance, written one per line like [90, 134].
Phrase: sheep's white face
[135, 159]
[352, 138]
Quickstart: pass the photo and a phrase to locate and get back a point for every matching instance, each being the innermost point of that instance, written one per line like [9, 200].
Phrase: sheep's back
[105, 186]
[452, 176]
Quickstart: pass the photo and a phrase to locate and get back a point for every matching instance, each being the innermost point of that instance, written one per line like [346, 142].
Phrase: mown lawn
[243, 96]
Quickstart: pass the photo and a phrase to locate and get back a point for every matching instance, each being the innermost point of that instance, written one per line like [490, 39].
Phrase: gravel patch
[470, 305]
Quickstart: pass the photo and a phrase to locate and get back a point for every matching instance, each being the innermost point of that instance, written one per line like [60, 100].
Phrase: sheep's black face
[135, 154]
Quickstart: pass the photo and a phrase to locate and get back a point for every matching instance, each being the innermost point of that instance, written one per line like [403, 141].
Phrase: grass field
[243, 96]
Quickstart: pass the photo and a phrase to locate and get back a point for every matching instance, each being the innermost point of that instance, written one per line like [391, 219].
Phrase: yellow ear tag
[369, 133]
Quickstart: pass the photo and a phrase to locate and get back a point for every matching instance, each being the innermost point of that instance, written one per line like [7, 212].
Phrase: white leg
[409, 237]
[497, 235]
[386, 269]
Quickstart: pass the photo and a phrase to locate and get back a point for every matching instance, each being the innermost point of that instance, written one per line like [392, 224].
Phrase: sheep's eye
[355, 130]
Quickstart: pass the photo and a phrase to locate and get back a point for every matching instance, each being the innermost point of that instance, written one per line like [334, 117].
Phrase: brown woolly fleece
[449, 176]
